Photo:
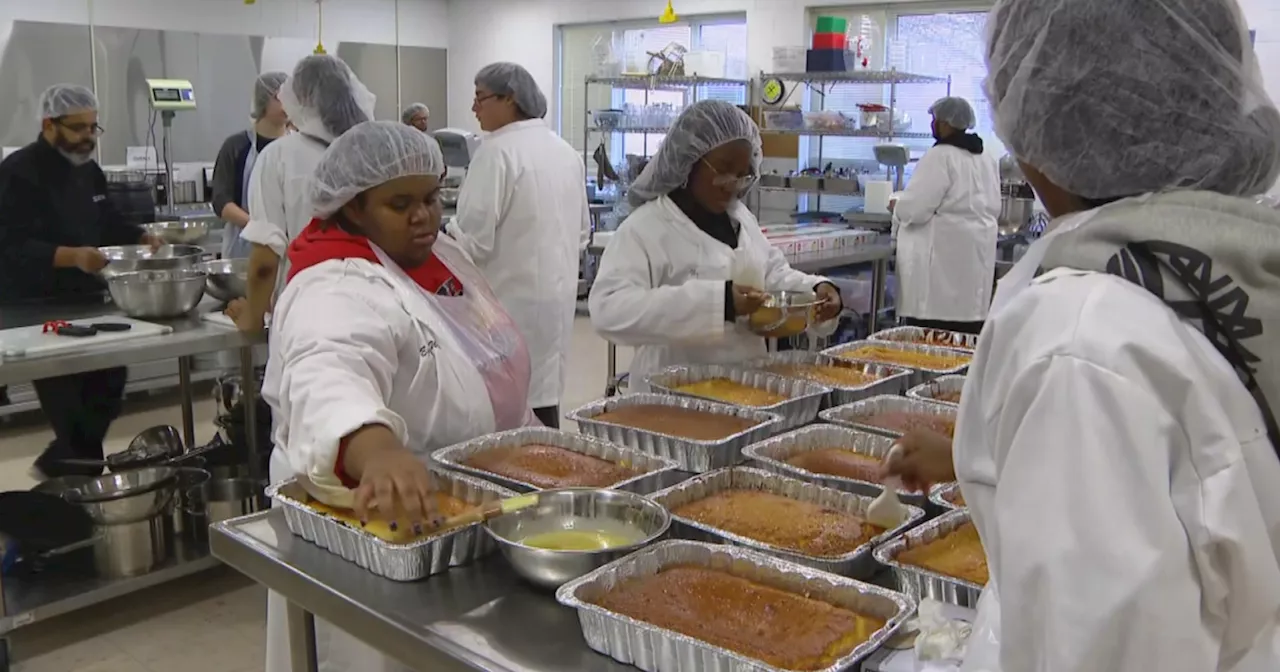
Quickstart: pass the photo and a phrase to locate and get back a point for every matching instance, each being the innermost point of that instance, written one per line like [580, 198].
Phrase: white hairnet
[412, 110]
[264, 89]
[702, 127]
[1113, 98]
[509, 79]
[60, 100]
[956, 112]
[368, 155]
[324, 98]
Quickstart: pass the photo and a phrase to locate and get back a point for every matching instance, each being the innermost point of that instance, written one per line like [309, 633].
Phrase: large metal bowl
[227, 278]
[127, 496]
[130, 258]
[785, 314]
[156, 294]
[180, 232]
[574, 508]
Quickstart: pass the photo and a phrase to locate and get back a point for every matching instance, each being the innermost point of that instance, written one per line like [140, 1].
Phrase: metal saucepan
[129, 258]
[226, 279]
[157, 294]
[181, 232]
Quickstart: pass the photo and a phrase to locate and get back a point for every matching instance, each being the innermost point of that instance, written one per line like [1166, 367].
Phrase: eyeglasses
[80, 129]
[738, 184]
[481, 99]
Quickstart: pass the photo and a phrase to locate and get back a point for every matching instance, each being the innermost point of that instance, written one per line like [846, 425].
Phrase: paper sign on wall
[141, 157]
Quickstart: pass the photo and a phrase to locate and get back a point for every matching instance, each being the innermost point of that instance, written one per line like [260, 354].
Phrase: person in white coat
[323, 98]
[691, 259]
[522, 216]
[1117, 442]
[946, 223]
[385, 345]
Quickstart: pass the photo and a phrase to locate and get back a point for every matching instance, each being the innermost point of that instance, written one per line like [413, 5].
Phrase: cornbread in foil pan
[920, 582]
[894, 416]
[849, 381]
[923, 336]
[944, 390]
[797, 401]
[830, 455]
[947, 496]
[925, 361]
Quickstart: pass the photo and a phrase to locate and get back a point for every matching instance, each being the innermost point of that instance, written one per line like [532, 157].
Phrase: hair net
[368, 155]
[956, 112]
[60, 100]
[509, 79]
[412, 110]
[323, 97]
[264, 89]
[1115, 98]
[702, 127]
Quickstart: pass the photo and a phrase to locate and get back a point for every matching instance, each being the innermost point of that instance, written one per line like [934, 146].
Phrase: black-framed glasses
[80, 129]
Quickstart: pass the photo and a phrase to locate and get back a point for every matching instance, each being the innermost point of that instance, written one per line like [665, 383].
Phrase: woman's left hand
[831, 303]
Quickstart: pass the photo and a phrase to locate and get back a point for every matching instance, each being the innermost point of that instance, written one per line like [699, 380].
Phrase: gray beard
[74, 158]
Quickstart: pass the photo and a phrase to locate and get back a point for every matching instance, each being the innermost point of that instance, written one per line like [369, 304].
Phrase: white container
[789, 59]
[877, 197]
[704, 64]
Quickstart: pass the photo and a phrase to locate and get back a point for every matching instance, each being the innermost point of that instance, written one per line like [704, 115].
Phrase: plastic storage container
[831, 24]
[784, 120]
[825, 60]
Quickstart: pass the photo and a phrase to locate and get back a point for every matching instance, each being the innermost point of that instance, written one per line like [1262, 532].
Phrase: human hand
[90, 259]
[395, 486]
[151, 240]
[238, 311]
[747, 300]
[893, 205]
[924, 459]
[831, 303]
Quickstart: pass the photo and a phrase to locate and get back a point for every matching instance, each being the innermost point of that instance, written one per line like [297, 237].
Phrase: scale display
[171, 94]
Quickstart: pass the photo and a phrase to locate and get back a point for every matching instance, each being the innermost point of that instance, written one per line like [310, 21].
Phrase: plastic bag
[941, 640]
[983, 650]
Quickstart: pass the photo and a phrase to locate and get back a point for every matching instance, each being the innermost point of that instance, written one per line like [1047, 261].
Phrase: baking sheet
[892, 379]
[772, 455]
[804, 398]
[849, 415]
[655, 649]
[929, 390]
[942, 494]
[921, 583]
[919, 375]
[857, 563]
[938, 337]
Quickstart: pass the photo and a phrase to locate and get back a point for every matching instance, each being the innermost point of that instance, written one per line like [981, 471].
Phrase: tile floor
[213, 622]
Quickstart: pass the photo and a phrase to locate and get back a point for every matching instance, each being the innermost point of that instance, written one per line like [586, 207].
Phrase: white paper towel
[877, 201]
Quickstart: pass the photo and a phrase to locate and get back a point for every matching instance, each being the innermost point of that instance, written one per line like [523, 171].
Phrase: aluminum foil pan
[655, 470]
[850, 415]
[804, 398]
[398, 562]
[944, 494]
[655, 649]
[922, 336]
[919, 375]
[690, 454]
[919, 582]
[890, 379]
[858, 563]
[772, 455]
[930, 390]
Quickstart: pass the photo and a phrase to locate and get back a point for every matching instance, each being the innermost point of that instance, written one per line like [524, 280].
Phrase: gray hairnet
[956, 112]
[366, 156]
[60, 100]
[412, 110]
[1111, 99]
[702, 127]
[509, 79]
[324, 98]
[264, 89]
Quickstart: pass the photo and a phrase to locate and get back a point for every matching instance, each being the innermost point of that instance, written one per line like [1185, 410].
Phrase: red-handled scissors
[54, 326]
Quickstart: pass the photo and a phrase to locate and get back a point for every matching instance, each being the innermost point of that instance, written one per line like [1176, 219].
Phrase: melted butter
[580, 540]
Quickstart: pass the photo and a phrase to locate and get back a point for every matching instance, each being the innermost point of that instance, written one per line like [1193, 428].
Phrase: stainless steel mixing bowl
[127, 496]
[181, 232]
[130, 258]
[156, 294]
[227, 278]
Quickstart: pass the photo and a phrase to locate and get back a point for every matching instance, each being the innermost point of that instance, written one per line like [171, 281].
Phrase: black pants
[80, 408]
[961, 327]
[549, 416]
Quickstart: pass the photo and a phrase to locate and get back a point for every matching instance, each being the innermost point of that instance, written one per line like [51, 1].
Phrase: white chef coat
[522, 216]
[661, 283]
[946, 223]
[279, 200]
[1122, 482]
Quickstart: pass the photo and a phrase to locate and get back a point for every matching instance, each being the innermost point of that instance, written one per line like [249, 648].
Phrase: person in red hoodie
[386, 344]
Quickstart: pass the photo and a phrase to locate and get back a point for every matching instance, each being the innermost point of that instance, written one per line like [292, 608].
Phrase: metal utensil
[129, 258]
[226, 279]
[157, 294]
[179, 232]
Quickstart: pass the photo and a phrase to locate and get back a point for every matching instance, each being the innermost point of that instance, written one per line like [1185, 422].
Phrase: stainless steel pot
[157, 294]
[181, 232]
[130, 258]
[130, 549]
[230, 498]
[226, 279]
[184, 191]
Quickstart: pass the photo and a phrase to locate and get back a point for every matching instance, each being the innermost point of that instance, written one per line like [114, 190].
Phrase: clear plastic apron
[233, 245]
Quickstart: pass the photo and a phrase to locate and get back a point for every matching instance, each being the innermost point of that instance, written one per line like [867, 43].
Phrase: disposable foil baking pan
[921, 583]
[923, 336]
[944, 385]
[852, 415]
[944, 495]
[656, 649]
[920, 375]
[398, 562]
[804, 398]
[690, 454]
[653, 469]
[889, 379]
[857, 563]
[772, 455]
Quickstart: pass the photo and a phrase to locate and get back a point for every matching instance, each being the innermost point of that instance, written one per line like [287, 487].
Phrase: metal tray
[848, 414]
[690, 454]
[928, 390]
[656, 649]
[939, 496]
[919, 582]
[919, 376]
[804, 398]
[398, 562]
[772, 455]
[892, 379]
[857, 563]
[654, 469]
[942, 337]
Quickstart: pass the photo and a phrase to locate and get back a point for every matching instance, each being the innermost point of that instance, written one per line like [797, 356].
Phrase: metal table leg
[611, 382]
[188, 410]
[879, 278]
[249, 397]
[302, 639]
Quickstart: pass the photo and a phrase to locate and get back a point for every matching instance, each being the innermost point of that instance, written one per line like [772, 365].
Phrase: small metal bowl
[130, 258]
[573, 508]
[127, 496]
[182, 232]
[785, 314]
[228, 279]
[156, 294]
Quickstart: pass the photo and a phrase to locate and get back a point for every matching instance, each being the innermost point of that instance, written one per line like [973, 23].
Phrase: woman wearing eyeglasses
[691, 259]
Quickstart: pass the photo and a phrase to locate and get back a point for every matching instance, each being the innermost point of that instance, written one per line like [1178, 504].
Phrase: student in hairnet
[418, 116]
[237, 157]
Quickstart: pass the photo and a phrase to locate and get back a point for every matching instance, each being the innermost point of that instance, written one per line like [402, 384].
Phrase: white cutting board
[221, 319]
[28, 342]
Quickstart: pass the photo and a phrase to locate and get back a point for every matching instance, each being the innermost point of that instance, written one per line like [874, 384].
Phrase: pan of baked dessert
[397, 554]
[699, 435]
[947, 496]
[849, 381]
[681, 605]
[797, 401]
[807, 523]
[541, 458]
[923, 336]
[926, 362]
[944, 390]
[941, 560]
[830, 455]
[894, 416]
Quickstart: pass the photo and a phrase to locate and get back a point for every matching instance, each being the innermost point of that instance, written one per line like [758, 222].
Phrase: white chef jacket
[661, 283]
[279, 200]
[523, 218]
[946, 223]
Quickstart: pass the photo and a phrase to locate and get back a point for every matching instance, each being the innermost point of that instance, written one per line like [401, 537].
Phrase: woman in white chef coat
[1117, 441]
[385, 345]
[691, 259]
[522, 216]
[946, 226]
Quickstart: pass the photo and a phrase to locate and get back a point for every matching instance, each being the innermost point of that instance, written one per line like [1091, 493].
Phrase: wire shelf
[661, 82]
[850, 133]
[858, 77]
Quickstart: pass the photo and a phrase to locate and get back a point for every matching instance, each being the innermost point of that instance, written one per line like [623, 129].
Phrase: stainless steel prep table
[478, 617]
